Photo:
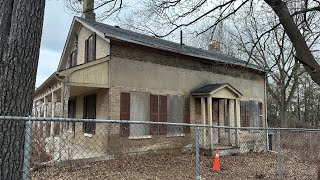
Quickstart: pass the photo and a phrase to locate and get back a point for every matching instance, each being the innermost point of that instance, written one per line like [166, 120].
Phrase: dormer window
[73, 59]
[90, 49]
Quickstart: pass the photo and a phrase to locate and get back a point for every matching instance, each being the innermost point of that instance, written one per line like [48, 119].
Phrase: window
[73, 59]
[175, 114]
[251, 114]
[90, 48]
[89, 112]
[140, 106]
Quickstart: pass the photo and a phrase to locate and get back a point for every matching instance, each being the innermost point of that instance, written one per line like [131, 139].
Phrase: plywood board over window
[251, 114]
[175, 114]
[139, 111]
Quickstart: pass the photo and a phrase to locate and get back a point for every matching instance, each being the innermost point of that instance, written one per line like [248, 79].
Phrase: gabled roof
[212, 88]
[116, 33]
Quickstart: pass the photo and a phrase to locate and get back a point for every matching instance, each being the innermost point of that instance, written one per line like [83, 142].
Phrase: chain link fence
[61, 148]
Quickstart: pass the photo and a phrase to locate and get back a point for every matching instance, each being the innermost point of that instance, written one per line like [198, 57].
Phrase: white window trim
[140, 137]
[175, 135]
[87, 134]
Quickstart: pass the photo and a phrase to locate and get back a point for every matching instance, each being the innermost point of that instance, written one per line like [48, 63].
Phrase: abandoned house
[107, 72]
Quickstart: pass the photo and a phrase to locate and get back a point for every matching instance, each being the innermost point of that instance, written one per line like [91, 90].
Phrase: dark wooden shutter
[86, 52]
[154, 114]
[89, 112]
[187, 114]
[163, 114]
[70, 61]
[260, 114]
[124, 114]
[244, 113]
[93, 49]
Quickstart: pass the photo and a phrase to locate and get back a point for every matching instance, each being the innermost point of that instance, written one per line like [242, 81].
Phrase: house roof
[121, 34]
[212, 88]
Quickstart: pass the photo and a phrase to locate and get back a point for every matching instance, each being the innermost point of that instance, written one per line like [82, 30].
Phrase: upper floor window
[90, 48]
[73, 59]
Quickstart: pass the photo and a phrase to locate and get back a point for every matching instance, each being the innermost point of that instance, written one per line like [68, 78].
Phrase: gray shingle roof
[138, 38]
[207, 88]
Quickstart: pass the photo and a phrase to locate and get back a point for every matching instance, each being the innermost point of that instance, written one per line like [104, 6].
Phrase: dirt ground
[246, 166]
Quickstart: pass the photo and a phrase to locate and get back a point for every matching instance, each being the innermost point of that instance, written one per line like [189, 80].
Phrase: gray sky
[55, 30]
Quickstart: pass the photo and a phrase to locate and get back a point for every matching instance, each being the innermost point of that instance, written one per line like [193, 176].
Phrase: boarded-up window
[250, 112]
[139, 111]
[187, 114]
[175, 114]
[89, 112]
[124, 114]
[90, 48]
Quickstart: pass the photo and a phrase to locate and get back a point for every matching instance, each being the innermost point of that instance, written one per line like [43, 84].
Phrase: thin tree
[20, 35]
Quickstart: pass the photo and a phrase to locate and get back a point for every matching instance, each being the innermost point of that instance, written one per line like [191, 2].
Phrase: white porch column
[237, 120]
[45, 114]
[53, 108]
[232, 121]
[203, 121]
[221, 119]
[209, 106]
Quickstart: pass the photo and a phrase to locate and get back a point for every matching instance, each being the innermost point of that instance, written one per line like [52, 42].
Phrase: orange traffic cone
[216, 161]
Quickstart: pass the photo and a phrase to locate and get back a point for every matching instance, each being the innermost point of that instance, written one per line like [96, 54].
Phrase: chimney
[88, 10]
[214, 46]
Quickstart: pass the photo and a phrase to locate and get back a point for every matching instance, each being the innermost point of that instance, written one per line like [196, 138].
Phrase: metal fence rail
[68, 148]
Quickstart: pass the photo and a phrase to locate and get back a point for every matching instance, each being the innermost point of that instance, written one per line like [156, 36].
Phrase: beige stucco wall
[132, 73]
[96, 74]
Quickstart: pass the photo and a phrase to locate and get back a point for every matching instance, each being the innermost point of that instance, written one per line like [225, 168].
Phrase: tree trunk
[20, 35]
[302, 50]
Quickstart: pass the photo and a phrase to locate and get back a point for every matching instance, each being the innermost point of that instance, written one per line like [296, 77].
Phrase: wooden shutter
[260, 114]
[244, 113]
[70, 61]
[124, 114]
[187, 114]
[86, 52]
[93, 45]
[154, 114]
[89, 112]
[163, 101]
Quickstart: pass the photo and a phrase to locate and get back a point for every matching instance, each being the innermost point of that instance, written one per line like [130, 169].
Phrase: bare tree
[20, 35]
[175, 14]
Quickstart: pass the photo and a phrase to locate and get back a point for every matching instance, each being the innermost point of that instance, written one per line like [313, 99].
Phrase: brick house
[106, 72]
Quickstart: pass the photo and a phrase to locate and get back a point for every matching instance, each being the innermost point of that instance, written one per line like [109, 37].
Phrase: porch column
[45, 114]
[203, 121]
[237, 121]
[221, 119]
[209, 106]
[231, 121]
[53, 108]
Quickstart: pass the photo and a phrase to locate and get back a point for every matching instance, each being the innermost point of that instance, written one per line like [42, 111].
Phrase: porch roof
[213, 88]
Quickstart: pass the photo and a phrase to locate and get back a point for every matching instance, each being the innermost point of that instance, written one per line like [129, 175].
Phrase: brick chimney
[88, 10]
[214, 46]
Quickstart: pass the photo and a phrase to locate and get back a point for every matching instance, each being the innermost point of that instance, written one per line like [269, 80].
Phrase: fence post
[196, 138]
[27, 150]
[279, 155]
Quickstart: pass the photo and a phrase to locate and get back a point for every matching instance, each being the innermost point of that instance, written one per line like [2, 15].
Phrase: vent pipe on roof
[214, 46]
[88, 10]
[181, 40]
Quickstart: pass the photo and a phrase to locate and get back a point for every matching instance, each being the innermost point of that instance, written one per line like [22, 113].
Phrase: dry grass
[246, 166]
